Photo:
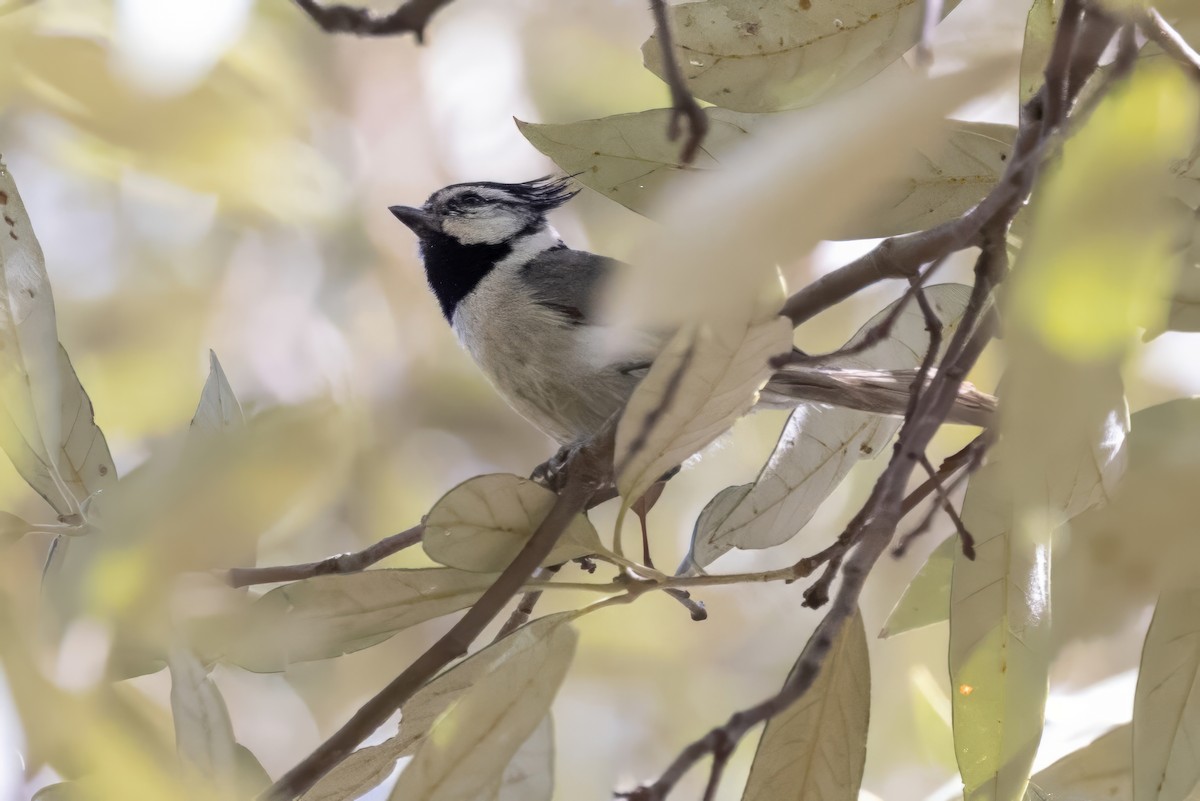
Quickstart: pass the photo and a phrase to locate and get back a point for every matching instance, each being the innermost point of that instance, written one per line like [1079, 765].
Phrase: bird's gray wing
[570, 282]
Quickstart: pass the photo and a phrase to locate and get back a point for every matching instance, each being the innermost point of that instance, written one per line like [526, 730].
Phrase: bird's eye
[470, 200]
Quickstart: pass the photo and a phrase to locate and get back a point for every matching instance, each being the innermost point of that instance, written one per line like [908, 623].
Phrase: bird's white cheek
[482, 230]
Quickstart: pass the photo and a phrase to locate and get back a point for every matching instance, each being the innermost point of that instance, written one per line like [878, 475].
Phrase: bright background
[216, 175]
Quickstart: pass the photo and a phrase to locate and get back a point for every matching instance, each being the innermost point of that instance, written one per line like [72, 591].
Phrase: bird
[526, 307]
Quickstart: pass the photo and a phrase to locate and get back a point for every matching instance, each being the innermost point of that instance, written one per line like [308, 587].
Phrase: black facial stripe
[454, 269]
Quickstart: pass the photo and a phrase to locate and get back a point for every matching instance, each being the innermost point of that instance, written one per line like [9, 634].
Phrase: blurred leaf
[1147, 533]
[96, 737]
[926, 599]
[801, 179]
[1166, 706]
[470, 746]
[1061, 451]
[1040, 24]
[754, 56]
[815, 749]
[328, 616]
[202, 503]
[629, 159]
[820, 443]
[46, 426]
[1103, 231]
[1102, 769]
[203, 731]
[219, 408]
[12, 528]
[252, 777]
[707, 377]
[530, 774]
[240, 133]
[368, 767]
[62, 791]
[482, 524]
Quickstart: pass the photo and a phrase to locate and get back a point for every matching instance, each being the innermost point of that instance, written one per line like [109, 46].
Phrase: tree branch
[342, 563]
[872, 529]
[1161, 33]
[683, 104]
[588, 471]
[411, 17]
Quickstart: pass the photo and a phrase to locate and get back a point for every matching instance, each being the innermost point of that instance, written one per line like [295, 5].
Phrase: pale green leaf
[482, 524]
[1100, 771]
[1166, 706]
[218, 408]
[530, 774]
[629, 159]
[203, 731]
[328, 616]
[820, 443]
[1061, 451]
[1040, 25]
[31, 380]
[473, 742]
[368, 767]
[926, 599]
[815, 749]
[706, 378]
[1102, 241]
[801, 179]
[754, 56]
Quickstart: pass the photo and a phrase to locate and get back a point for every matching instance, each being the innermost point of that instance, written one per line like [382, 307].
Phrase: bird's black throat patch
[454, 269]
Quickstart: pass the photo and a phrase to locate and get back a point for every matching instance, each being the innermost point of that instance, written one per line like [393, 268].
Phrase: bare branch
[683, 104]
[411, 17]
[342, 563]
[872, 529]
[1161, 33]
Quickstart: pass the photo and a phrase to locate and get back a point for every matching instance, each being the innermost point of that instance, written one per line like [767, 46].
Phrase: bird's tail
[877, 391]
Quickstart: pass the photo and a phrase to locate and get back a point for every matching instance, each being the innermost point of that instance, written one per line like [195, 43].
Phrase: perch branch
[411, 17]
[683, 104]
[588, 471]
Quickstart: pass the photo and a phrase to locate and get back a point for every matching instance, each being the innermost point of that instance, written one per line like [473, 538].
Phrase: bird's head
[486, 213]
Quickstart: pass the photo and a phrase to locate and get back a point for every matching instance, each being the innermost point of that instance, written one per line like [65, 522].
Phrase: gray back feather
[570, 281]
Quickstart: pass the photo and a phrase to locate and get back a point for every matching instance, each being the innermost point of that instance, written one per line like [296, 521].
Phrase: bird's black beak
[421, 222]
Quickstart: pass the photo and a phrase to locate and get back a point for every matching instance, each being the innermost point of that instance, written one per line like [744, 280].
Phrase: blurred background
[216, 175]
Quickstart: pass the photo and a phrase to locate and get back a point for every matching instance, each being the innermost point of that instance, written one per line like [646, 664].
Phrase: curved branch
[683, 104]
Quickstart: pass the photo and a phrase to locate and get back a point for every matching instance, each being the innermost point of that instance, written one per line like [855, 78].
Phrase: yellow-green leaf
[482, 524]
[707, 377]
[1166, 706]
[820, 443]
[753, 56]
[203, 731]
[926, 599]
[472, 743]
[218, 408]
[1040, 24]
[815, 749]
[629, 159]
[368, 767]
[328, 616]
[1100, 251]
[1102, 769]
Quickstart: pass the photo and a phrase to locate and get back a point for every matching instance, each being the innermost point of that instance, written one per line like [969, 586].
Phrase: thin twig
[968, 541]
[411, 17]
[683, 104]
[1160, 31]
[589, 470]
[342, 563]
